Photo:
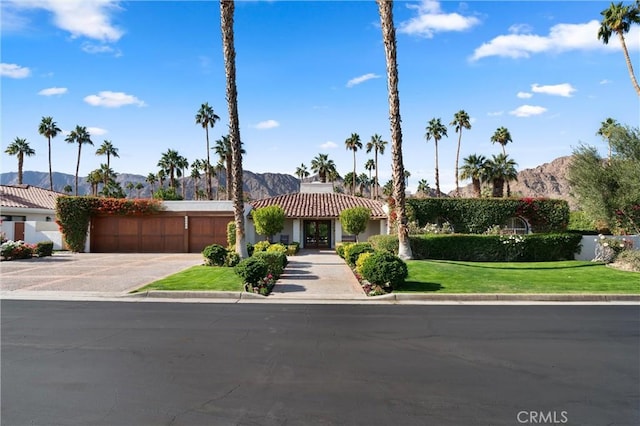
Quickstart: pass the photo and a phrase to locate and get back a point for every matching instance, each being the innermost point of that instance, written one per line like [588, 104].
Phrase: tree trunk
[20, 165]
[208, 168]
[385, 8]
[437, 171]
[353, 187]
[457, 159]
[226, 23]
[629, 65]
[78, 166]
[50, 170]
[229, 174]
[476, 187]
[498, 188]
[376, 185]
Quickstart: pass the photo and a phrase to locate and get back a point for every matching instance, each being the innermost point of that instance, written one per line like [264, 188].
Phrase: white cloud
[527, 111]
[113, 99]
[96, 131]
[431, 19]
[520, 29]
[561, 38]
[495, 113]
[99, 48]
[51, 91]
[564, 89]
[268, 124]
[524, 95]
[357, 80]
[329, 145]
[14, 71]
[81, 18]
[605, 81]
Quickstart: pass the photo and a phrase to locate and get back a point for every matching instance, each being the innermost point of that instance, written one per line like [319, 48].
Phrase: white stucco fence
[35, 232]
[588, 250]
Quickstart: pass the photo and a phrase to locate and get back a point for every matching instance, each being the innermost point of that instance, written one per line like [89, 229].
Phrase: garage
[167, 232]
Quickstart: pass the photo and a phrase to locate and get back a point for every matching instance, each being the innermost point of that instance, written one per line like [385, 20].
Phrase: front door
[317, 234]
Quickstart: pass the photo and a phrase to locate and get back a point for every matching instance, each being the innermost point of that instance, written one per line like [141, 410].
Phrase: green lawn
[199, 278]
[443, 276]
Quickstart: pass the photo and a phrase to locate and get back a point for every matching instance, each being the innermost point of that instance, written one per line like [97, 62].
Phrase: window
[515, 225]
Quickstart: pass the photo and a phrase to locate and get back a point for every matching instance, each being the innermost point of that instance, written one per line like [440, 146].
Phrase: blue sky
[310, 73]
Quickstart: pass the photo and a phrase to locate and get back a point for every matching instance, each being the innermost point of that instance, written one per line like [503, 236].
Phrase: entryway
[317, 234]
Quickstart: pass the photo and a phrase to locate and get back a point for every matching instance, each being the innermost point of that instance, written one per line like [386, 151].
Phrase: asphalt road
[100, 363]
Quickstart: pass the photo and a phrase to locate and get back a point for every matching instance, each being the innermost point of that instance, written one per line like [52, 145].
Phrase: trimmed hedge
[486, 248]
[215, 255]
[382, 268]
[354, 250]
[476, 215]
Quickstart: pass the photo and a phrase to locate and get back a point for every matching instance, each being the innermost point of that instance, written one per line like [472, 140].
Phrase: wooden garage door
[207, 230]
[134, 234]
[157, 233]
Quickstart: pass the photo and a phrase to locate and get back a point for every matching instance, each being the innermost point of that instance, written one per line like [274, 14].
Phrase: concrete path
[105, 274]
[317, 274]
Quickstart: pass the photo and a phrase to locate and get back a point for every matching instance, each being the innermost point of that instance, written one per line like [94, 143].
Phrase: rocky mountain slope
[547, 180]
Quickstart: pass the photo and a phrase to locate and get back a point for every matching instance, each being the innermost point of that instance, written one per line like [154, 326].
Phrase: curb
[403, 297]
[160, 294]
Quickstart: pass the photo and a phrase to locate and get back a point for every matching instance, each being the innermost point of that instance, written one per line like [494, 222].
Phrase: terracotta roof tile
[27, 196]
[303, 205]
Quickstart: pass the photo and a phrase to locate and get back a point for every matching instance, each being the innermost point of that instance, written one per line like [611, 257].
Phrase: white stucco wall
[35, 232]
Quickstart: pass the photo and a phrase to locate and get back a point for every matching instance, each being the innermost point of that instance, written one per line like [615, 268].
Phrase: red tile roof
[28, 197]
[311, 205]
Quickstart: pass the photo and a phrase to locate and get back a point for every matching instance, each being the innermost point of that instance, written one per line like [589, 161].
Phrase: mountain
[256, 185]
[547, 180]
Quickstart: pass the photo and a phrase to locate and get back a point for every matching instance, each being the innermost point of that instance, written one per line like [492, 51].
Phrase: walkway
[317, 274]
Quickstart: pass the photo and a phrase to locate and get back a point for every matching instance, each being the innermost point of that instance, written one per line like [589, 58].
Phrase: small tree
[355, 220]
[268, 220]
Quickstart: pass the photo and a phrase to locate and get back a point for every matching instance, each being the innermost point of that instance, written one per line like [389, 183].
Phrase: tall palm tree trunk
[629, 65]
[477, 191]
[457, 160]
[385, 8]
[377, 183]
[353, 186]
[78, 166]
[208, 168]
[229, 175]
[226, 22]
[20, 165]
[50, 169]
[437, 170]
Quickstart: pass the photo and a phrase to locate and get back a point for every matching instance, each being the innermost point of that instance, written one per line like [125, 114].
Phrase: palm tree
[353, 144]
[172, 163]
[20, 147]
[109, 184]
[498, 170]
[370, 165]
[407, 175]
[503, 137]
[206, 117]
[139, 187]
[333, 175]
[473, 168]
[436, 130]
[151, 179]
[81, 136]
[423, 188]
[49, 129]
[219, 168]
[605, 130]
[67, 189]
[302, 172]
[226, 23]
[162, 176]
[109, 150]
[377, 145]
[130, 186]
[461, 121]
[385, 9]
[196, 167]
[95, 178]
[363, 183]
[618, 19]
[224, 152]
[323, 166]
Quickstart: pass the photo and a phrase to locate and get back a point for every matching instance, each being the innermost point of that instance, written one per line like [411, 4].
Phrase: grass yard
[444, 276]
[199, 278]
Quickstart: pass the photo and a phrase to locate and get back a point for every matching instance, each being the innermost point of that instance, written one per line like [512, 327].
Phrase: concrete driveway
[100, 273]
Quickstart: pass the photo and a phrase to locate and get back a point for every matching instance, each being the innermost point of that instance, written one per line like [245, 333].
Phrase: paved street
[101, 363]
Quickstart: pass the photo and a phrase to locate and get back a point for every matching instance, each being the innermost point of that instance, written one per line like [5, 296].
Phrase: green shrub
[580, 222]
[231, 234]
[486, 248]
[250, 249]
[475, 215]
[279, 248]
[215, 255]
[340, 247]
[293, 248]
[352, 251]
[232, 259]
[360, 262]
[261, 246]
[44, 248]
[629, 259]
[252, 270]
[383, 268]
[275, 262]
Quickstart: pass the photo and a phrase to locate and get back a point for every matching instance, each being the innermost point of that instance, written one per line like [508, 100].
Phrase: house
[312, 216]
[28, 214]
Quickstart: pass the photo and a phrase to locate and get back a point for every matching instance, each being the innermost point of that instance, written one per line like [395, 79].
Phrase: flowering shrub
[513, 245]
[608, 248]
[10, 250]
[429, 228]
